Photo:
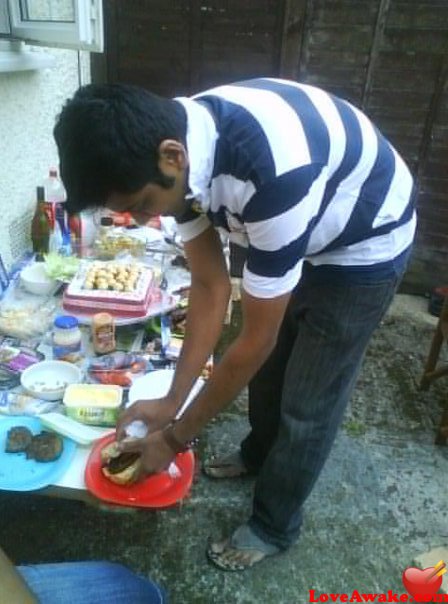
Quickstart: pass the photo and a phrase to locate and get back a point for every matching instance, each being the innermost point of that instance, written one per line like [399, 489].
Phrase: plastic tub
[94, 404]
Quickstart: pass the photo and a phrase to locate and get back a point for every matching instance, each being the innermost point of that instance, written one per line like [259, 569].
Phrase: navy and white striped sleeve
[191, 225]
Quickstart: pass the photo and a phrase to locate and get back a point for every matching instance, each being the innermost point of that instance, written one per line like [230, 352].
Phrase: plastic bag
[25, 316]
[14, 403]
[118, 368]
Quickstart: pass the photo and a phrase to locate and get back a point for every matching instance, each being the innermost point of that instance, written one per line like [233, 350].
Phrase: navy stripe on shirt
[243, 150]
[352, 151]
[281, 194]
[315, 129]
[278, 262]
[371, 197]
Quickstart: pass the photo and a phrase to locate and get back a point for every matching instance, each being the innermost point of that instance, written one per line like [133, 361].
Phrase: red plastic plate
[156, 491]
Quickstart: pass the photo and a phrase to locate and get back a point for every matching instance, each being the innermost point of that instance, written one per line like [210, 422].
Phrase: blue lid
[66, 322]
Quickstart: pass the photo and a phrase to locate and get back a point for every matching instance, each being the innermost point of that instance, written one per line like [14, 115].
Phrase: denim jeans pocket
[328, 311]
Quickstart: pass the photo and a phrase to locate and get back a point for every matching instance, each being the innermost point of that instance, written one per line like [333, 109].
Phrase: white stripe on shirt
[263, 104]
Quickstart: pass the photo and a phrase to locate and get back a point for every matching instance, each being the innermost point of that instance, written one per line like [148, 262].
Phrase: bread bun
[120, 468]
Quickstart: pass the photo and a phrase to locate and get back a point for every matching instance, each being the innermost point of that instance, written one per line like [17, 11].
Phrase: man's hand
[155, 413]
[156, 455]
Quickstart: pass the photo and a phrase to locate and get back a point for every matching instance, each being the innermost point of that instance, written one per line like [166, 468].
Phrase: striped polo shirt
[296, 175]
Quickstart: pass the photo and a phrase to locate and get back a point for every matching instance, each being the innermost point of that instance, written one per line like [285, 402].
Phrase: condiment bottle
[40, 227]
[103, 333]
[75, 227]
[66, 339]
[106, 226]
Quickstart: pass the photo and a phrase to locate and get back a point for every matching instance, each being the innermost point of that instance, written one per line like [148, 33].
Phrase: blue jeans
[298, 398]
[89, 583]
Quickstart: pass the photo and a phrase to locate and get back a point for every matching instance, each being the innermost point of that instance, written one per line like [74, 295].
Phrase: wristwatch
[174, 444]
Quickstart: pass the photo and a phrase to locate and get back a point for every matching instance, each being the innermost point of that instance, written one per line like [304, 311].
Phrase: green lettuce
[62, 268]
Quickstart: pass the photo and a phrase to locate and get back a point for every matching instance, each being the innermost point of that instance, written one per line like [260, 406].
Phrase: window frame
[85, 33]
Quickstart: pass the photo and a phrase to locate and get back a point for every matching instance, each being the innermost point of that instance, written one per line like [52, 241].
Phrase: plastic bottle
[103, 333]
[40, 227]
[54, 189]
[54, 196]
[106, 226]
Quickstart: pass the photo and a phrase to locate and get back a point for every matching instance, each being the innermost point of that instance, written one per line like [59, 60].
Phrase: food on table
[62, 268]
[46, 446]
[121, 468]
[117, 368]
[119, 360]
[25, 322]
[94, 404]
[119, 378]
[110, 244]
[18, 439]
[119, 288]
[110, 276]
[40, 386]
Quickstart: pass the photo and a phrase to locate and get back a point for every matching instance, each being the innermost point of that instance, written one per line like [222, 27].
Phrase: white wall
[29, 104]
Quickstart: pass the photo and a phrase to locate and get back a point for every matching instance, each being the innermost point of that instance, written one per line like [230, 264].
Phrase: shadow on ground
[379, 502]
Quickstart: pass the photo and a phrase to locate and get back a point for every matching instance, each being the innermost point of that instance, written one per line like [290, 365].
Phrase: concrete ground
[379, 503]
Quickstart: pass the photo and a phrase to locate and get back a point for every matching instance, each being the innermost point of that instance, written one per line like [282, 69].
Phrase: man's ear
[172, 157]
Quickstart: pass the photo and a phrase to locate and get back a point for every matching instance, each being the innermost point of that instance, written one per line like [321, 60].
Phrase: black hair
[108, 137]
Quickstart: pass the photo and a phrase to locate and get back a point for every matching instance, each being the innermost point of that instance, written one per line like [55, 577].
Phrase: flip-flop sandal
[228, 466]
[220, 559]
[241, 551]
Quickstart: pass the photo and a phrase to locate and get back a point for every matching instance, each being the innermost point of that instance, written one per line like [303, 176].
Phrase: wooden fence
[389, 57]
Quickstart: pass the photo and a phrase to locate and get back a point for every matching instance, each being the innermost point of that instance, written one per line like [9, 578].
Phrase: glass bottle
[40, 227]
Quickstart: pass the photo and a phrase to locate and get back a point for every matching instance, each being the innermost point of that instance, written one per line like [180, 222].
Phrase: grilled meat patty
[115, 465]
[46, 446]
[18, 439]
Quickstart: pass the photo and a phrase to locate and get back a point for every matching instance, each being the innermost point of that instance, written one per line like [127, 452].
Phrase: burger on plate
[121, 468]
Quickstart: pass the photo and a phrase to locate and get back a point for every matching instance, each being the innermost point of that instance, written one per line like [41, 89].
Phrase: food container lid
[66, 322]
[69, 427]
[102, 396]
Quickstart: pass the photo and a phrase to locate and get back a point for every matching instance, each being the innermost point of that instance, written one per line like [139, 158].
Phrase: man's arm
[261, 323]
[207, 305]
[209, 295]
[13, 589]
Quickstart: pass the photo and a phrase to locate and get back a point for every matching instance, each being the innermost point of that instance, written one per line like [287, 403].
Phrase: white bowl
[48, 379]
[35, 280]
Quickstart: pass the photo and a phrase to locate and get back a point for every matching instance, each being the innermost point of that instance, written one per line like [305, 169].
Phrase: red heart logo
[418, 583]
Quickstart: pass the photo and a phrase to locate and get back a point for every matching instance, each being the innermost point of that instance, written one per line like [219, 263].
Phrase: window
[76, 24]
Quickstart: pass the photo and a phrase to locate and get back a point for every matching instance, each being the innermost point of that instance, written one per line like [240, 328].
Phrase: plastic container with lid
[66, 339]
[94, 404]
